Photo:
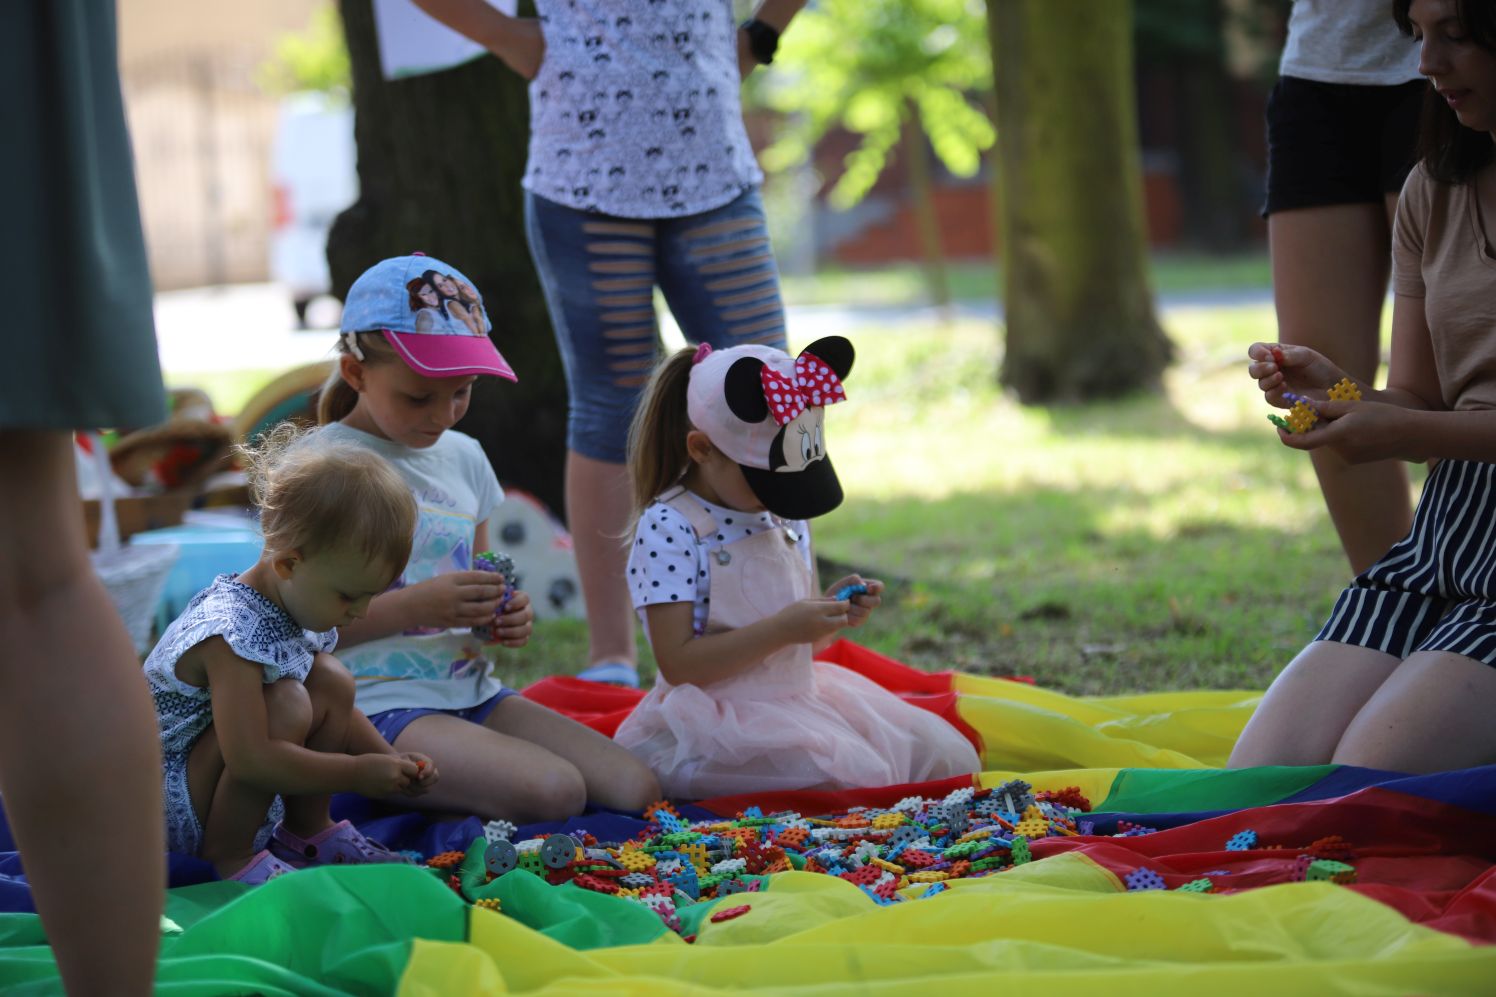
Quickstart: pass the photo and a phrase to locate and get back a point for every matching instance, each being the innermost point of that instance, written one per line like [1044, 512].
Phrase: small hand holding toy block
[1345, 390]
[848, 591]
[503, 564]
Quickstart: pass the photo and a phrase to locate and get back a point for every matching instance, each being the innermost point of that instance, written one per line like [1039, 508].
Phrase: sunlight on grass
[1166, 540]
[1158, 541]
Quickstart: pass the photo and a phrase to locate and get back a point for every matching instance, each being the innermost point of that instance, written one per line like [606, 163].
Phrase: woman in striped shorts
[1403, 675]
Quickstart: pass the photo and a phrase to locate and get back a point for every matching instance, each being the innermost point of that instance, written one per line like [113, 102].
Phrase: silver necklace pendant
[723, 557]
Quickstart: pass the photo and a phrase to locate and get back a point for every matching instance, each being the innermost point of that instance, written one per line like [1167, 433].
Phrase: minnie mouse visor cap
[431, 314]
[763, 409]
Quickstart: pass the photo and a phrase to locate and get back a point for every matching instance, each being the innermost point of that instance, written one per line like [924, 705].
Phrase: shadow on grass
[1047, 583]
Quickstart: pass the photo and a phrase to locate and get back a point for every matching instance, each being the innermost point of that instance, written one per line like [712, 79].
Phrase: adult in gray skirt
[80, 763]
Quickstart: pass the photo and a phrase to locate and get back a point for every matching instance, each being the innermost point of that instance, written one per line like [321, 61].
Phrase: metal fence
[202, 131]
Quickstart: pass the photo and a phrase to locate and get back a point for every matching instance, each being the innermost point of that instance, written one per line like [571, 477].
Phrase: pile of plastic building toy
[906, 852]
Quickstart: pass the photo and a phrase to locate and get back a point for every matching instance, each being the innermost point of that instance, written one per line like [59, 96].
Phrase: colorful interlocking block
[1345, 390]
[1242, 841]
[1321, 870]
[1144, 879]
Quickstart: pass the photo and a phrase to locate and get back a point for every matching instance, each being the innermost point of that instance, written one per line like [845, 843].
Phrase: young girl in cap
[727, 457]
[249, 701]
[403, 380]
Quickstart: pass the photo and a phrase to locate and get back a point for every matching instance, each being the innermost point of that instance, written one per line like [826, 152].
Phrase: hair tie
[702, 352]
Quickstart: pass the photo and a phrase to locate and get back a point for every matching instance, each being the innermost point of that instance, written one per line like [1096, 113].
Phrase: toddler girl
[424, 679]
[251, 705]
[728, 454]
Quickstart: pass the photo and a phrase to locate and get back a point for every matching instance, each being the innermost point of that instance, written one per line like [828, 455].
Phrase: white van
[313, 172]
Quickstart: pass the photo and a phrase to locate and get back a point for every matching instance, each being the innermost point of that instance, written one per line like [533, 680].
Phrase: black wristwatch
[763, 40]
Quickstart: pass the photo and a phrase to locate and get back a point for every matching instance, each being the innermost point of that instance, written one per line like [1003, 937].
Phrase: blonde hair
[315, 495]
[338, 397]
[657, 456]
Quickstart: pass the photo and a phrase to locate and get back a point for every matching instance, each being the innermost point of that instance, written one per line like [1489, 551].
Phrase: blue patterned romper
[258, 631]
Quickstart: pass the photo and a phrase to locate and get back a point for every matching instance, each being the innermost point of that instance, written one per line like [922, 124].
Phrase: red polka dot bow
[814, 383]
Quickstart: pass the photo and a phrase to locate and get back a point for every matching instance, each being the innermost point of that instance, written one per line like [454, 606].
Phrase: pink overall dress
[790, 722]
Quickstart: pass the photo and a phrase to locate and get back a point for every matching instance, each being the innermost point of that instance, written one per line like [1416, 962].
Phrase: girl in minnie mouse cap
[728, 456]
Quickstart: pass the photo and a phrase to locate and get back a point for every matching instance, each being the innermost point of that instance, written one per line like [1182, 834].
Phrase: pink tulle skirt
[815, 727]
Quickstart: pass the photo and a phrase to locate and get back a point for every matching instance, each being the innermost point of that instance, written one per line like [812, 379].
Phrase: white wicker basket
[134, 576]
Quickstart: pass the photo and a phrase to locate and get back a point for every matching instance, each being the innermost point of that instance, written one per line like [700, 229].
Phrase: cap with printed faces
[765, 410]
[431, 314]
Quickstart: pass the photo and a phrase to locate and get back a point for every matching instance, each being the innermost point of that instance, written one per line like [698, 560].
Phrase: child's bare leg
[1330, 266]
[236, 810]
[492, 775]
[80, 760]
[614, 777]
[1310, 704]
[329, 687]
[1432, 715]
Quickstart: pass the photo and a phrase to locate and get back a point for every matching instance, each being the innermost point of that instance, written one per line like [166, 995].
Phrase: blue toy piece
[1145, 879]
[1242, 841]
[848, 591]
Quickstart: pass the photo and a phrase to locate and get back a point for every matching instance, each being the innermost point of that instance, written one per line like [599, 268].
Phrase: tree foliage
[868, 66]
[314, 59]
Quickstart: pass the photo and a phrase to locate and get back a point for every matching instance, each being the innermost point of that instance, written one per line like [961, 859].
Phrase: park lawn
[901, 284]
[1164, 541]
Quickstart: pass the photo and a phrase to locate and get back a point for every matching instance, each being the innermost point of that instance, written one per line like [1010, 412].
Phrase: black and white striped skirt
[1435, 590]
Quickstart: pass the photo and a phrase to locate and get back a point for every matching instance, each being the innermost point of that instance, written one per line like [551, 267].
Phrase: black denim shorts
[1338, 143]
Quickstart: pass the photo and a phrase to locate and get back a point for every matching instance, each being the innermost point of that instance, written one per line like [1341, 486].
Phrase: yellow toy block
[1033, 828]
[887, 822]
[489, 903]
[636, 860]
[1345, 390]
[1301, 418]
[929, 877]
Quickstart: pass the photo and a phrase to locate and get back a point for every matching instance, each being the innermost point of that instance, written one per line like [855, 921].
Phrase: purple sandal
[261, 869]
[340, 844]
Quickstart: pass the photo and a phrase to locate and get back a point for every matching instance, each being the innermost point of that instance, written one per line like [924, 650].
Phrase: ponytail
[337, 397]
[657, 455]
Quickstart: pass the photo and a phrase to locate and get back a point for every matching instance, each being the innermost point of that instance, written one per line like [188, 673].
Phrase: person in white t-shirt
[423, 677]
[639, 175]
[1341, 125]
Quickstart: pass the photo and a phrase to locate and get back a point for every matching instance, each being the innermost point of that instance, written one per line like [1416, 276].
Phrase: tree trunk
[440, 158]
[995, 200]
[1079, 310]
[926, 223]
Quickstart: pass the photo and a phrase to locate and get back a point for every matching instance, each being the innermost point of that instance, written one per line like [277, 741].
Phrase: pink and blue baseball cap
[431, 314]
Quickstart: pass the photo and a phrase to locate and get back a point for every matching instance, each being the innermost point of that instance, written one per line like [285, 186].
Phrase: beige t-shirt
[1441, 253]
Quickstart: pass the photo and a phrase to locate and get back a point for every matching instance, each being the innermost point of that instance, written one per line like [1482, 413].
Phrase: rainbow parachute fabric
[1418, 914]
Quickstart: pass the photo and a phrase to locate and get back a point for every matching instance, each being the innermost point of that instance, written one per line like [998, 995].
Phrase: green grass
[1160, 542]
[903, 283]
[1165, 541]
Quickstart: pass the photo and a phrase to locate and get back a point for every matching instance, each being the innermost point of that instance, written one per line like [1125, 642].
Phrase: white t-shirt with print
[668, 564]
[455, 490]
[636, 109]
